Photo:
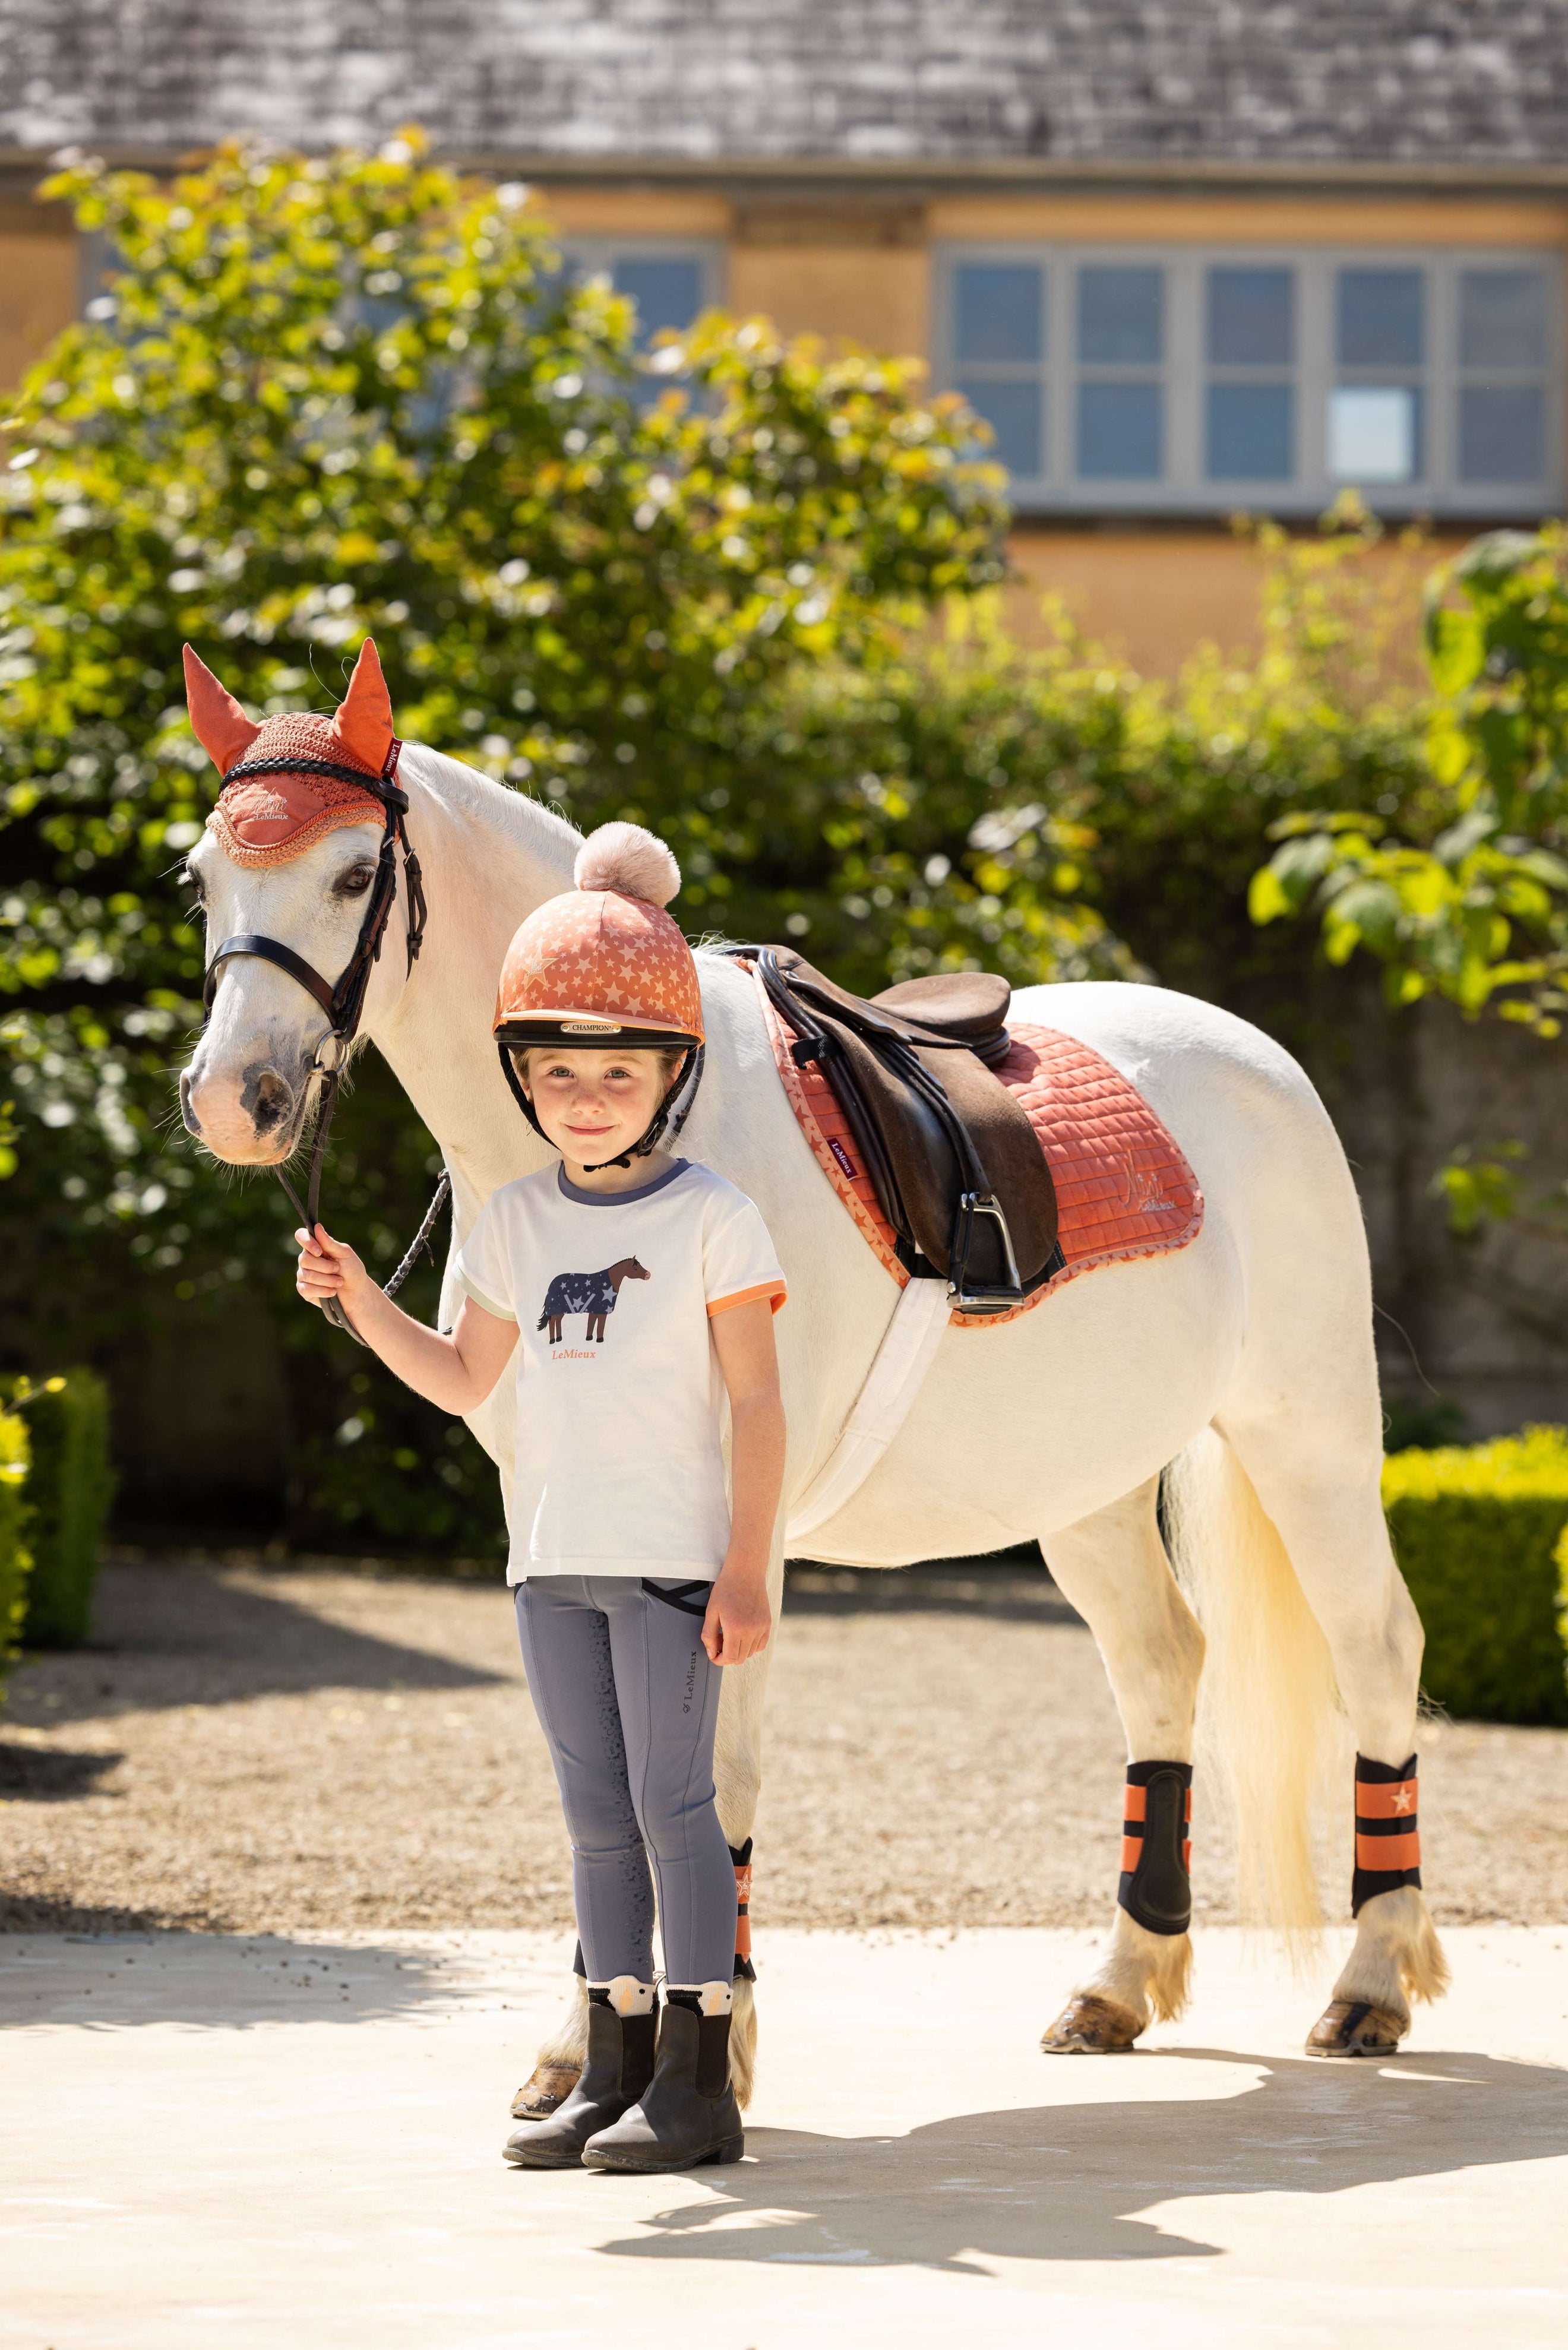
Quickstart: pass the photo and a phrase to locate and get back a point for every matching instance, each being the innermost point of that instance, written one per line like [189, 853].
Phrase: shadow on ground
[94, 1967]
[1070, 2182]
[50, 1775]
[188, 1637]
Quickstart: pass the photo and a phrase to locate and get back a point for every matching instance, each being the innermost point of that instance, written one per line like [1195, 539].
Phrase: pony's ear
[364, 721]
[221, 726]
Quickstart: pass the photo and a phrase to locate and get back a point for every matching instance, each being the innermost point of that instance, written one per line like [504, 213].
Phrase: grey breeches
[627, 1701]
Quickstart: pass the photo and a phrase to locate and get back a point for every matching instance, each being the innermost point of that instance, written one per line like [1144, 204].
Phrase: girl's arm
[455, 1371]
[739, 1618]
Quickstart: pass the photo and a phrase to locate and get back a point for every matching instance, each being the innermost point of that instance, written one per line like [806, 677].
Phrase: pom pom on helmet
[631, 860]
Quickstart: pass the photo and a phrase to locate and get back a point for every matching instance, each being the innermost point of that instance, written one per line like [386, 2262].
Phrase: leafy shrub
[1477, 1531]
[1465, 895]
[69, 1488]
[14, 1557]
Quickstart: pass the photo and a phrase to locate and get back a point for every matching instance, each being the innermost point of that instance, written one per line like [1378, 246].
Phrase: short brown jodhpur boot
[688, 2113]
[623, 2024]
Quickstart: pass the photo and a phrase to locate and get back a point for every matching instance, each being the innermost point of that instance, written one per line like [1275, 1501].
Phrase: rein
[343, 1003]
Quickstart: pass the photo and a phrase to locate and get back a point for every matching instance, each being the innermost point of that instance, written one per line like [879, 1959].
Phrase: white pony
[1242, 1362]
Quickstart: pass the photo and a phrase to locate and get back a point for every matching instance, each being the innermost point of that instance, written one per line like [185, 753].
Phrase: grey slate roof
[897, 82]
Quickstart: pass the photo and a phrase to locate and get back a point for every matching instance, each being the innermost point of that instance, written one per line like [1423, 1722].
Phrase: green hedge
[14, 1560]
[1479, 1534]
[69, 1488]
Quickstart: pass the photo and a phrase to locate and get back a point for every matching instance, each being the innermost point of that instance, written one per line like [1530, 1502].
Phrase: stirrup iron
[981, 1296]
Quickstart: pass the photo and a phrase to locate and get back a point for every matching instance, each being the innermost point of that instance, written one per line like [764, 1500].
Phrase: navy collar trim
[570, 1191]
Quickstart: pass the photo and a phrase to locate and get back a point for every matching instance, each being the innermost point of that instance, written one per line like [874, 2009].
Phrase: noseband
[344, 1003]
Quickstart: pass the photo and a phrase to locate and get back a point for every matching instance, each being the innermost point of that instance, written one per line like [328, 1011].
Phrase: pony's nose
[193, 1123]
[269, 1097]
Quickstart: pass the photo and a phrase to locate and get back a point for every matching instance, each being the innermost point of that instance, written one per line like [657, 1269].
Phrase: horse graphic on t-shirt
[593, 1293]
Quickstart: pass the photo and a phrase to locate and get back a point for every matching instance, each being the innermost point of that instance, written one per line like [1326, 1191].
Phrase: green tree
[324, 397]
[1469, 898]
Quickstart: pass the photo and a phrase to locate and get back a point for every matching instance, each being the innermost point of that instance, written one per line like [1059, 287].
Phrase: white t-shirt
[619, 1469]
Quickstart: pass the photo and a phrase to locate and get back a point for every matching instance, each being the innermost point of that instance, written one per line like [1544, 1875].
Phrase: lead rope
[422, 1238]
[307, 1209]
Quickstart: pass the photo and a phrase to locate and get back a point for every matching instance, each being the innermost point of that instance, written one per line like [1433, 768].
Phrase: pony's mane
[464, 787]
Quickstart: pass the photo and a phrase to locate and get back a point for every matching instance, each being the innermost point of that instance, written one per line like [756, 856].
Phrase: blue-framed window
[1141, 379]
[672, 281]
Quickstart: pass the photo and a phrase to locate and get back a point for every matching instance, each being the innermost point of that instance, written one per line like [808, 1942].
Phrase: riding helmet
[604, 965]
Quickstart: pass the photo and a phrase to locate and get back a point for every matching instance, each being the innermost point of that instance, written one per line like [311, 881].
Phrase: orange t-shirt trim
[744, 1296]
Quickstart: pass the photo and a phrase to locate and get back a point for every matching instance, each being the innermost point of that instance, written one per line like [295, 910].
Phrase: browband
[379, 786]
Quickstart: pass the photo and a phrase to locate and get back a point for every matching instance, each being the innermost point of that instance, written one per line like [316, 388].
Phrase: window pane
[1119, 431]
[1251, 320]
[1000, 314]
[1502, 433]
[1373, 433]
[1502, 319]
[667, 293]
[1121, 318]
[1251, 433]
[1012, 412]
[1381, 318]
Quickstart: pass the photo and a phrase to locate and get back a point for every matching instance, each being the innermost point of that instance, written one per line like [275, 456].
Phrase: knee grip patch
[1387, 1830]
[1156, 1889]
[741, 1857]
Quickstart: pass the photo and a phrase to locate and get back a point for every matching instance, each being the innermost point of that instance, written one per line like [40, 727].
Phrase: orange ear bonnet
[269, 819]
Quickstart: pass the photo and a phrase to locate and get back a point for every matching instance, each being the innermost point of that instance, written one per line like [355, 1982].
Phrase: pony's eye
[355, 882]
[193, 882]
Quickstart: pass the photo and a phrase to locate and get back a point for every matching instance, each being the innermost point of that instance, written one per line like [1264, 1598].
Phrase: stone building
[1187, 256]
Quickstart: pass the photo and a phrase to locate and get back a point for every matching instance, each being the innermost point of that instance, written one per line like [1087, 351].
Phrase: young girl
[636, 1290]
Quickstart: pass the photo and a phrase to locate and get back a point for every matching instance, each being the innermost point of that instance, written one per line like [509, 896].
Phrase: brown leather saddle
[954, 1159]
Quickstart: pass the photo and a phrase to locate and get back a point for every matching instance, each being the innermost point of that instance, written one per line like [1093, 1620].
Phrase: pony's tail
[541, 1322]
[1268, 1707]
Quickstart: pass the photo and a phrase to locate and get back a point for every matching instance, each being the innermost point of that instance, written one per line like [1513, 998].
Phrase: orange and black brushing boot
[1387, 1857]
[1155, 1888]
[1155, 1891]
[741, 1857]
[623, 2024]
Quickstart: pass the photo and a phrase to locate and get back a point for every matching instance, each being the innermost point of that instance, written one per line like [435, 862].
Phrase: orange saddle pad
[1124, 1188]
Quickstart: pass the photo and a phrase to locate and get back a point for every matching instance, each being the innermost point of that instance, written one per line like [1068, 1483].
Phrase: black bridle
[343, 1003]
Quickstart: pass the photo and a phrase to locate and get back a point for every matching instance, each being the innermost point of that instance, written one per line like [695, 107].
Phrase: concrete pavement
[295, 2144]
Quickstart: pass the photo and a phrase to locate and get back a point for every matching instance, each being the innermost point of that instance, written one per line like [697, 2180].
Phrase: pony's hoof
[1353, 2027]
[547, 2086]
[1092, 2025]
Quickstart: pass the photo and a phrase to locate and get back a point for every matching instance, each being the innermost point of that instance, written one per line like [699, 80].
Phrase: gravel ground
[248, 1748]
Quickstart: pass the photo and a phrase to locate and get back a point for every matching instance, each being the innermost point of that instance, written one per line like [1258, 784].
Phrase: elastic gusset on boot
[639, 2030]
[1387, 1830]
[1155, 1888]
[709, 2003]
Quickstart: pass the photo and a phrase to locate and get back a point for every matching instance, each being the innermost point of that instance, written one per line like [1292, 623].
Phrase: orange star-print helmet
[604, 963]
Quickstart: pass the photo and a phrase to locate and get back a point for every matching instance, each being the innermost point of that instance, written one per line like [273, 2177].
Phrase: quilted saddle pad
[1124, 1188]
